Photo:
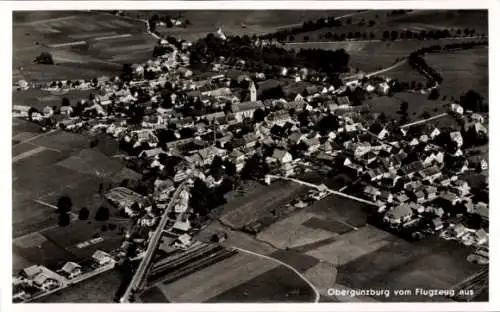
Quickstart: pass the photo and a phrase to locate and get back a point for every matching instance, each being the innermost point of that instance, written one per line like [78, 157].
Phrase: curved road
[316, 292]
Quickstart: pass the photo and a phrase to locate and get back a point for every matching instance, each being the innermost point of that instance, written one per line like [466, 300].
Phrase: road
[423, 120]
[358, 199]
[316, 292]
[152, 246]
[378, 72]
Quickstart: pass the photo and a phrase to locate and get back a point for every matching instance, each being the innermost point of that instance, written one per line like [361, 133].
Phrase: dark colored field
[277, 285]
[431, 264]
[79, 231]
[328, 225]
[340, 208]
[47, 253]
[99, 289]
[153, 295]
[299, 262]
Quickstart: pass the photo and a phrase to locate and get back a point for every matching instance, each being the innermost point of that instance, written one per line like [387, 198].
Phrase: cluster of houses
[402, 172]
[37, 280]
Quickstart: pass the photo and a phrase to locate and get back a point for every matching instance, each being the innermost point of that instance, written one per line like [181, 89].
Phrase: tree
[65, 102]
[386, 35]
[44, 58]
[259, 115]
[64, 204]
[426, 115]
[434, 94]
[64, 219]
[306, 38]
[403, 108]
[371, 23]
[102, 214]
[83, 214]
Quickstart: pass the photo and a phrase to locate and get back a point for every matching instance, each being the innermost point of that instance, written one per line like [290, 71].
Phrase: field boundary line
[316, 292]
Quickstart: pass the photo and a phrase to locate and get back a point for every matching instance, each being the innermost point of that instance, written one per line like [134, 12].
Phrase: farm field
[432, 263]
[83, 44]
[417, 105]
[462, 71]
[98, 289]
[217, 278]
[416, 20]
[248, 208]
[383, 53]
[277, 285]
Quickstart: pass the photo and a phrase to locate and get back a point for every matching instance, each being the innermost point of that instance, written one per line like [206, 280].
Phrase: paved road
[316, 292]
[152, 246]
[423, 120]
[358, 199]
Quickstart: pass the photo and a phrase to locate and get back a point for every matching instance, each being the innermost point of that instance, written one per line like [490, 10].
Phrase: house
[164, 185]
[481, 236]
[296, 137]
[437, 224]
[250, 139]
[181, 226]
[183, 241]
[45, 282]
[102, 258]
[71, 269]
[386, 196]
[458, 230]
[383, 134]
[312, 145]
[434, 133]
[371, 192]
[430, 191]
[456, 108]
[430, 173]
[151, 153]
[402, 198]
[477, 118]
[417, 207]
[237, 156]
[456, 136]
[462, 187]
[66, 110]
[281, 156]
[383, 88]
[31, 271]
[399, 214]
[206, 155]
[419, 196]
[287, 169]
[246, 109]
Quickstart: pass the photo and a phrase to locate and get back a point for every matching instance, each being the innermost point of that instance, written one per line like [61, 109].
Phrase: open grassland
[217, 278]
[38, 99]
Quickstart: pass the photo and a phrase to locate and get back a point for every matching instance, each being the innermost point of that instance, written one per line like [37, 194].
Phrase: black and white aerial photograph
[250, 156]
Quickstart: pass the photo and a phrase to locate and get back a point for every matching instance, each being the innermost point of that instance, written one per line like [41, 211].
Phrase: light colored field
[217, 278]
[351, 246]
[323, 275]
[90, 35]
[92, 163]
[132, 48]
[21, 136]
[27, 154]
[290, 232]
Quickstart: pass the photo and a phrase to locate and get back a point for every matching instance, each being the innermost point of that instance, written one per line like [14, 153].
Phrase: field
[41, 174]
[83, 44]
[250, 207]
[98, 289]
[462, 71]
[431, 264]
[217, 278]
[277, 285]
[368, 55]
[417, 20]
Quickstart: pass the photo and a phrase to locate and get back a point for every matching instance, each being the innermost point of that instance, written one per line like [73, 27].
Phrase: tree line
[211, 48]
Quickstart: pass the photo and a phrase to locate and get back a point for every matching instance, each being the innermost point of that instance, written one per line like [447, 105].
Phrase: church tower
[253, 92]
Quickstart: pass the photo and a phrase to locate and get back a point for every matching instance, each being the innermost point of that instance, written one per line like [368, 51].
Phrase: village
[210, 132]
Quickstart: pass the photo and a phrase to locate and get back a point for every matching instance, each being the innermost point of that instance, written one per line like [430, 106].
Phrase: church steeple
[253, 91]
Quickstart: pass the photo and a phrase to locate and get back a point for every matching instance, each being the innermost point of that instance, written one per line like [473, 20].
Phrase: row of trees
[64, 205]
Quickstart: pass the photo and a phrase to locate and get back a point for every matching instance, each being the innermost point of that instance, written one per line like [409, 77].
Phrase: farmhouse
[101, 257]
[71, 269]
